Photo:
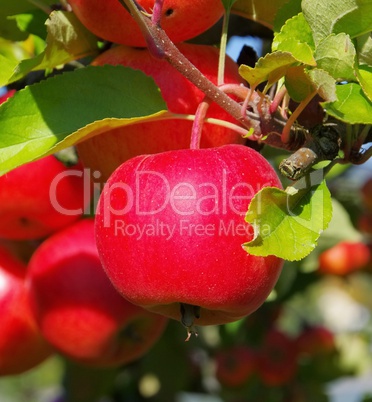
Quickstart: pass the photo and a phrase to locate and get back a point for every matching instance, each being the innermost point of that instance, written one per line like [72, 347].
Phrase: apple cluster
[98, 283]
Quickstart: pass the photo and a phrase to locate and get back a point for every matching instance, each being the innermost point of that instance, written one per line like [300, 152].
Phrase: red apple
[41, 197]
[181, 20]
[315, 340]
[277, 359]
[7, 95]
[343, 258]
[22, 347]
[77, 308]
[105, 152]
[170, 229]
[235, 365]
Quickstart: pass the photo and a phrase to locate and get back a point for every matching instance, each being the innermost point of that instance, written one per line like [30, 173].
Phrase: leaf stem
[286, 137]
[223, 44]
[41, 5]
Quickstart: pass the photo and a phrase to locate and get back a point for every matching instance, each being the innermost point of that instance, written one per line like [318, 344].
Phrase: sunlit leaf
[324, 83]
[352, 106]
[62, 110]
[364, 74]
[336, 16]
[269, 68]
[289, 223]
[296, 38]
[336, 55]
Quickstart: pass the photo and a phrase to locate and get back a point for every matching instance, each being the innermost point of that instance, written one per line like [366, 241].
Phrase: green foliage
[288, 223]
[67, 40]
[56, 113]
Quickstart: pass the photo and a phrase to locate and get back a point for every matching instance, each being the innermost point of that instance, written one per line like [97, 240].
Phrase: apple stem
[189, 313]
[160, 46]
[197, 127]
[157, 12]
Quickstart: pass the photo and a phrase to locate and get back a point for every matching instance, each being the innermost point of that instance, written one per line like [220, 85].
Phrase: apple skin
[105, 152]
[201, 263]
[22, 346]
[181, 20]
[235, 365]
[344, 258]
[78, 310]
[27, 210]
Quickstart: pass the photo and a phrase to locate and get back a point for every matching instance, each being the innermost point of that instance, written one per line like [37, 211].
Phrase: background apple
[22, 347]
[40, 198]
[315, 340]
[235, 365]
[78, 310]
[277, 359]
[181, 20]
[105, 152]
[170, 229]
[343, 258]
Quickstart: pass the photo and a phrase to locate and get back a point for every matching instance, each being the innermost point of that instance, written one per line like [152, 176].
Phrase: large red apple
[78, 310]
[105, 152]
[22, 347]
[181, 20]
[170, 229]
[41, 197]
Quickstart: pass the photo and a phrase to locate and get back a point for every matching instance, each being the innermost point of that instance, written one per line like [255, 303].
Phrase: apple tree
[148, 179]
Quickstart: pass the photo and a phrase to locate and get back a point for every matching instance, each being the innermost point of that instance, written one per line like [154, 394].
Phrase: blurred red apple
[343, 258]
[78, 310]
[235, 365]
[181, 20]
[41, 197]
[316, 340]
[22, 346]
[277, 359]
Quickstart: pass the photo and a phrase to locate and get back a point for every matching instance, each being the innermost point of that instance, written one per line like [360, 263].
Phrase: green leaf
[364, 74]
[352, 106]
[261, 11]
[287, 11]
[296, 38]
[288, 223]
[324, 83]
[336, 16]
[7, 68]
[67, 40]
[271, 68]
[336, 55]
[32, 23]
[364, 49]
[298, 83]
[56, 113]
[8, 8]
[357, 21]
